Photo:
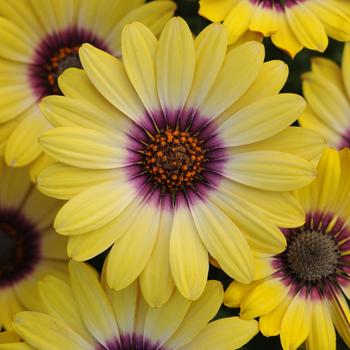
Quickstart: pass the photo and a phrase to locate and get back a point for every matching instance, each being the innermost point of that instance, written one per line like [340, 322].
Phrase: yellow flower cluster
[172, 156]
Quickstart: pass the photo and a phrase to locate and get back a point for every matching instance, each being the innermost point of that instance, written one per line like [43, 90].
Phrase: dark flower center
[19, 246]
[55, 53]
[312, 255]
[66, 57]
[174, 159]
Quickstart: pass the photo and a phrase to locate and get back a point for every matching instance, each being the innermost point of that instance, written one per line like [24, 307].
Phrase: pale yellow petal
[226, 333]
[243, 63]
[345, 67]
[264, 298]
[92, 302]
[262, 119]
[215, 10]
[198, 315]
[108, 76]
[270, 170]
[175, 63]
[49, 333]
[94, 207]
[129, 255]
[224, 241]
[188, 257]
[85, 148]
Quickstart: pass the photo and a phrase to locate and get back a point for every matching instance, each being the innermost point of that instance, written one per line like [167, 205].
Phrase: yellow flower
[327, 91]
[39, 40]
[177, 151]
[87, 315]
[292, 24]
[29, 247]
[301, 294]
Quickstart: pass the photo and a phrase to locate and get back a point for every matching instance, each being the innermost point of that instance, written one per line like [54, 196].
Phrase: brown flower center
[312, 255]
[174, 159]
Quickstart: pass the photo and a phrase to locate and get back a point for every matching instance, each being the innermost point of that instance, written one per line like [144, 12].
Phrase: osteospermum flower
[327, 91]
[292, 24]
[29, 247]
[302, 293]
[178, 151]
[39, 40]
[84, 316]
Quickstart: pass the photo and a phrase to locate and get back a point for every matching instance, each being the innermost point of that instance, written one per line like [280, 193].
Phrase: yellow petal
[270, 324]
[93, 208]
[84, 148]
[284, 38]
[161, 323]
[236, 292]
[335, 21]
[130, 254]
[175, 64]
[301, 142]
[295, 325]
[188, 257]
[224, 241]
[269, 82]
[242, 10]
[154, 15]
[65, 182]
[262, 119]
[264, 19]
[46, 332]
[270, 170]
[58, 299]
[212, 39]
[326, 101]
[108, 76]
[264, 298]
[244, 63]
[261, 235]
[215, 10]
[92, 302]
[226, 333]
[40, 164]
[76, 112]
[322, 333]
[306, 27]
[156, 280]
[16, 45]
[281, 208]
[341, 317]
[198, 315]
[139, 46]
[22, 146]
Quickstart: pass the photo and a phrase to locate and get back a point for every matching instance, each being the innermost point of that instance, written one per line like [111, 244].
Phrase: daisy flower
[291, 24]
[29, 247]
[302, 293]
[327, 91]
[85, 315]
[39, 40]
[177, 151]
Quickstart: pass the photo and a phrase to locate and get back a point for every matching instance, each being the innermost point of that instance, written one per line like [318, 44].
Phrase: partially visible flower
[29, 246]
[85, 315]
[39, 40]
[302, 293]
[327, 91]
[292, 24]
[179, 150]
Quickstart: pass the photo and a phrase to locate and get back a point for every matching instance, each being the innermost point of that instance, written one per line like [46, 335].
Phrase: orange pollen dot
[174, 159]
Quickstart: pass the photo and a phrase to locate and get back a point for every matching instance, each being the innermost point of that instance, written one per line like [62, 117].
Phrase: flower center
[55, 53]
[312, 255]
[174, 159]
[66, 57]
[19, 247]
